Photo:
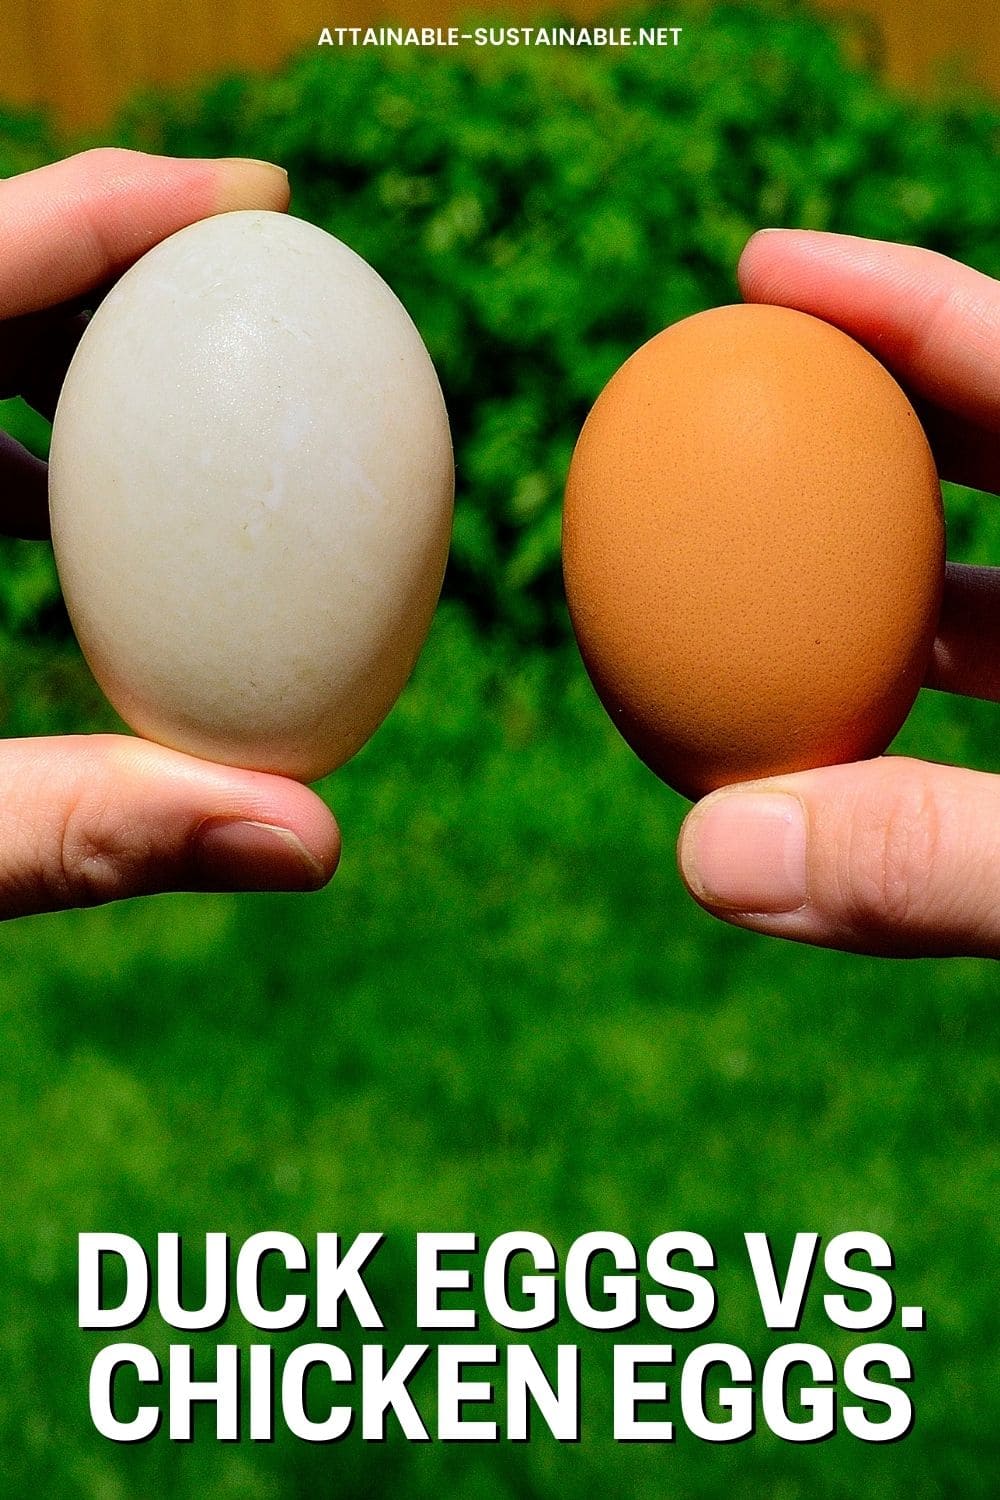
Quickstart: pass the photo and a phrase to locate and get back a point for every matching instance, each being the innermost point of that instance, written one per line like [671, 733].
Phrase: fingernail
[245, 856]
[247, 183]
[746, 851]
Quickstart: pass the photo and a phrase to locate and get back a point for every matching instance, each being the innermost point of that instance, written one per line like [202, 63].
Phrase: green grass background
[504, 1013]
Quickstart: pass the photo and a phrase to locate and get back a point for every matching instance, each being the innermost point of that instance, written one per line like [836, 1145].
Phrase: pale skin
[889, 856]
[91, 818]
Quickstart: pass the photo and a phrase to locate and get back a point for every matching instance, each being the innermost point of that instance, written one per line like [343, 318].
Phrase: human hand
[889, 856]
[90, 818]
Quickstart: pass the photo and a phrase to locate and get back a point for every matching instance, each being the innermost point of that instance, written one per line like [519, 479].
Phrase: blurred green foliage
[27, 140]
[504, 1012]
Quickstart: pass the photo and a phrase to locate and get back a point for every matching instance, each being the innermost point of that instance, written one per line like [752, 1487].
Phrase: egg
[251, 486]
[753, 548]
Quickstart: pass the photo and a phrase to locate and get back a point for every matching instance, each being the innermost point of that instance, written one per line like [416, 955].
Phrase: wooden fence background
[80, 57]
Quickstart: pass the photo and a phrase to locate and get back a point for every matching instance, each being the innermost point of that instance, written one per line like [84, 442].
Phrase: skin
[91, 818]
[890, 856]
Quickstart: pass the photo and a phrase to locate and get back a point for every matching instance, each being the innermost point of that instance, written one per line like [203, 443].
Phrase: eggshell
[251, 486]
[753, 548]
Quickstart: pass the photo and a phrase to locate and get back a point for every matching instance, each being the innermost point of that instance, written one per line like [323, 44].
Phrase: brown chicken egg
[753, 548]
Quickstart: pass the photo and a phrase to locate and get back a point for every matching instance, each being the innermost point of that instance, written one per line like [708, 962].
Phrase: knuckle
[88, 872]
[102, 159]
[107, 171]
[892, 852]
[99, 855]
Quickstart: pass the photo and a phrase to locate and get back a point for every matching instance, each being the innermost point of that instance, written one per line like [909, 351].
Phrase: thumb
[890, 856]
[91, 818]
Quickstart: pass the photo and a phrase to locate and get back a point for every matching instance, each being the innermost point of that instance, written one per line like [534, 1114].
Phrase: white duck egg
[251, 485]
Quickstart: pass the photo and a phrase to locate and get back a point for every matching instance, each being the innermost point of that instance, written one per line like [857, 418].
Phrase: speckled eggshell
[753, 548]
[251, 487]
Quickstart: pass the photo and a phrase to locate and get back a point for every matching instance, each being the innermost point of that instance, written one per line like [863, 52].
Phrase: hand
[889, 856]
[89, 818]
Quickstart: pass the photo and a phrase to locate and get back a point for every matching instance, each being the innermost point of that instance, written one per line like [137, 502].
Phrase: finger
[35, 352]
[966, 655]
[936, 323]
[890, 856]
[76, 224]
[92, 818]
[24, 504]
